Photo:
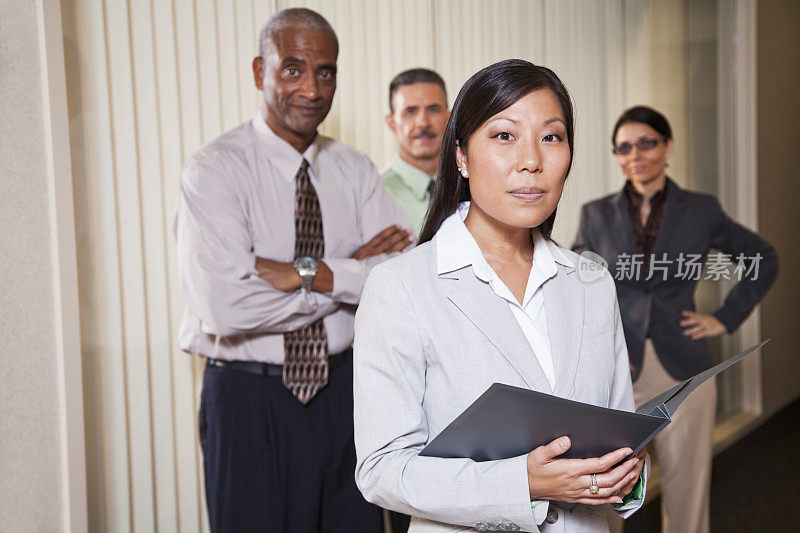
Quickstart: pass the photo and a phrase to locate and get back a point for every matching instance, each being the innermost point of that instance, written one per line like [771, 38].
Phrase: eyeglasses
[643, 145]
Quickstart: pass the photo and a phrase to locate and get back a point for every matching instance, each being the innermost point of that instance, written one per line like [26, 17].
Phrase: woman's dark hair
[645, 115]
[486, 93]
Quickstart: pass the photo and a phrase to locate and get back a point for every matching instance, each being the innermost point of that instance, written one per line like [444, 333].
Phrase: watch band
[307, 268]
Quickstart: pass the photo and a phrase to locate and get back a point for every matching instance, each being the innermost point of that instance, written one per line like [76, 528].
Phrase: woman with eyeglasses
[654, 237]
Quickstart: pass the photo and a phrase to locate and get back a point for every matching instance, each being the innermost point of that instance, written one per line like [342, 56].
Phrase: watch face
[305, 266]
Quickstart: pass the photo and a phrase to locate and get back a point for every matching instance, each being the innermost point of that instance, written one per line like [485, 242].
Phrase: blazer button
[552, 516]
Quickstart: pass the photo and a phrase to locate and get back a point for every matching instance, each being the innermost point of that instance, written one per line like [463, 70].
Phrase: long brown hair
[486, 93]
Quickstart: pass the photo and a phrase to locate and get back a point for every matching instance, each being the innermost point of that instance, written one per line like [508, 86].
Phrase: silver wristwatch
[307, 268]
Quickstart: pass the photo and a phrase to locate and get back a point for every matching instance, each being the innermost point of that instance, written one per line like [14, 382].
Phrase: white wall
[150, 82]
[28, 395]
[42, 484]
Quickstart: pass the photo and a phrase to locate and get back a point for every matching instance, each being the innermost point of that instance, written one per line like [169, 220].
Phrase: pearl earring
[463, 171]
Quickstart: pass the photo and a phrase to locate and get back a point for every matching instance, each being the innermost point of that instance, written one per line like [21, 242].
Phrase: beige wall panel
[154, 222]
[702, 64]
[247, 28]
[98, 269]
[127, 165]
[189, 83]
[472, 34]
[584, 69]
[655, 68]
[613, 77]
[171, 363]
[188, 374]
[208, 58]
[31, 464]
[343, 122]
[228, 78]
[187, 384]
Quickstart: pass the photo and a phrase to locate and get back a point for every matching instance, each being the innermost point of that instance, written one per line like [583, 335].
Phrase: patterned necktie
[305, 367]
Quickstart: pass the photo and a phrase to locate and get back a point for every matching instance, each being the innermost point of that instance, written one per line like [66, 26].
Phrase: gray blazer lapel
[622, 230]
[492, 316]
[564, 306]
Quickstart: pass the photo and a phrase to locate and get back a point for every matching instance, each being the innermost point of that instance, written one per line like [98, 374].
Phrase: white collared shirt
[236, 202]
[456, 248]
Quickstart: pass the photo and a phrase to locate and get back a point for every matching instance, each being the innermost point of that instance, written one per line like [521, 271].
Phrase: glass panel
[673, 64]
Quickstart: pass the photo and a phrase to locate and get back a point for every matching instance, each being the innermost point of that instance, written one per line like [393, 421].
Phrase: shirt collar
[456, 249]
[414, 178]
[283, 155]
[635, 197]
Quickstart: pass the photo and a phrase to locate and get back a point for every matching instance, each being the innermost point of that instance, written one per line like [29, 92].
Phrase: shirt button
[552, 516]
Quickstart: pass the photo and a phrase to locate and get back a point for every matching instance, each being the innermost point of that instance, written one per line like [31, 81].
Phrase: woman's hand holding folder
[570, 480]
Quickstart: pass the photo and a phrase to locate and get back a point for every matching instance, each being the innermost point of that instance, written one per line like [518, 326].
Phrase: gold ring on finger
[594, 488]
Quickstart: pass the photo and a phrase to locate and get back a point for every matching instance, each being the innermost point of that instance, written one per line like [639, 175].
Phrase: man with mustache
[417, 116]
[277, 228]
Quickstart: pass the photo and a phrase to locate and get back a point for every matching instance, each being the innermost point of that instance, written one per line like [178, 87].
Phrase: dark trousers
[400, 522]
[272, 464]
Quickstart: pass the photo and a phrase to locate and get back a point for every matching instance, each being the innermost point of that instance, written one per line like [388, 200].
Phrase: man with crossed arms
[277, 228]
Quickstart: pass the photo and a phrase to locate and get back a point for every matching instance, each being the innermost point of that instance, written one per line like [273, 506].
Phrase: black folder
[510, 421]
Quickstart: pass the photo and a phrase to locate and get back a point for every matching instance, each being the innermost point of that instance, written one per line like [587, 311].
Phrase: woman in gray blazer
[655, 237]
[488, 297]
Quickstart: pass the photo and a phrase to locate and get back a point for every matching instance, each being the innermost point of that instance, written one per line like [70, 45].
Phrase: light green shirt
[409, 187]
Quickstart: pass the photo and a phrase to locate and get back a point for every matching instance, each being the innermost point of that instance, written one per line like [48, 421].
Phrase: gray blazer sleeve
[391, 427]
[582, 239]
[734, 239]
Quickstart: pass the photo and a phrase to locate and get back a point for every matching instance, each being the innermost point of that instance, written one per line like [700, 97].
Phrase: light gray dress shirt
[236, 202]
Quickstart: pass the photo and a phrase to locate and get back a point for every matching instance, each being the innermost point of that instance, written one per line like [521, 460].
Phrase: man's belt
[275, 371]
